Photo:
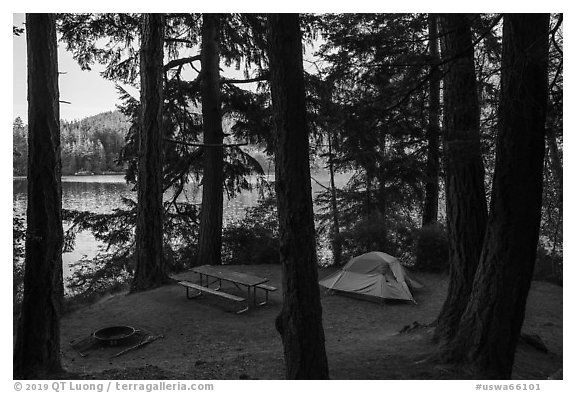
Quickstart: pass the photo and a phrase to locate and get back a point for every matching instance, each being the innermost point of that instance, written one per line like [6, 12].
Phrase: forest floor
[204, 339]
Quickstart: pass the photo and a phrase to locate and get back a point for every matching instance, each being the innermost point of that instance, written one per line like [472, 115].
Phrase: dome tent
[374, 274]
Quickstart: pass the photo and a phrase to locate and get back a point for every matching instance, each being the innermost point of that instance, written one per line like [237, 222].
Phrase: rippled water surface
[102, 194]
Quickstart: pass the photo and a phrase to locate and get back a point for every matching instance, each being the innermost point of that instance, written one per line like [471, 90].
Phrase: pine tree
[300, 321]
[150, 269]
[466, 210]
[430, 210]
[490, 326]
[210, 238]
[37, 347]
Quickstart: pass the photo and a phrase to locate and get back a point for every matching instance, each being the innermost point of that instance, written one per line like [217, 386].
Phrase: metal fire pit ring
[114, 335]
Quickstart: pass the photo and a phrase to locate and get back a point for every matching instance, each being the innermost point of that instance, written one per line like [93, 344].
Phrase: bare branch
[181, 40]
[320, 184]
[261, 78]
[558, 24]
[182, 61]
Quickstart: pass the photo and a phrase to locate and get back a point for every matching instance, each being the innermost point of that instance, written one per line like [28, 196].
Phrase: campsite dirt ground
[204, 339]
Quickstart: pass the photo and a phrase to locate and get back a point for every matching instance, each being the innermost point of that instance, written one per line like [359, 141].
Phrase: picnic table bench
[210, 275]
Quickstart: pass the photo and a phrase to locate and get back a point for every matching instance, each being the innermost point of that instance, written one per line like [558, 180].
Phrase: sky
[88, 93]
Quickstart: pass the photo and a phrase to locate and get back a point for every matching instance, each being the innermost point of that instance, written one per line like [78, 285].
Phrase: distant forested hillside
[90, 145]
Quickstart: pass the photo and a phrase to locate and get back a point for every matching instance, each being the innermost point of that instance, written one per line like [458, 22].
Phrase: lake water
[102, 194]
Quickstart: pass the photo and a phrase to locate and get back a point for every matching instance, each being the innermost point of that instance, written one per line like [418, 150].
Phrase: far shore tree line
[420, 108]
[91, 146]
[88, 146]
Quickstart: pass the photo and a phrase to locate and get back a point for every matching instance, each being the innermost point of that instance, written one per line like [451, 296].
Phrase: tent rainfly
[374, 274]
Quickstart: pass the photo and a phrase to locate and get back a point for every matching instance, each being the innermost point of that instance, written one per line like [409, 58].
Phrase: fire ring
[114, 335]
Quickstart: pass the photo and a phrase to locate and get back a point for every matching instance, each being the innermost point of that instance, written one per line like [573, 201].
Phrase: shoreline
[21, 177]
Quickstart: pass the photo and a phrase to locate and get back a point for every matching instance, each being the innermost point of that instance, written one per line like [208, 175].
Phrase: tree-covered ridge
[89, 146]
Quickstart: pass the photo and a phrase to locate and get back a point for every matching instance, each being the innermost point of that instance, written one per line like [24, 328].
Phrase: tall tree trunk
[380, 211]
[466, 211]
[300, 321]
[381, 194]
[430, 211]
[150, 268]
[37, 347]
[210, 239]
[336, 241]
[368, 204]
[490, 326]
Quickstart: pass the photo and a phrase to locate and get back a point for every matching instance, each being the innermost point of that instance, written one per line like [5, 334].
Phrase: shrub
[366, 235]
[548, 266]
[18, 239]
[431, 248]
[249, 246]
[113, 265]
[393, 235]
[253, 240]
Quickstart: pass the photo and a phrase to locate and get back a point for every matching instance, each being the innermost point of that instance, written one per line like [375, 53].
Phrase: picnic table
[210, 275]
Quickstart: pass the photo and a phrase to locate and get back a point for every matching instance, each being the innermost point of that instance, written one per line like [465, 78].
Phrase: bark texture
[210, 238]
[491, 324]
[150, 268]
[300, 321]
[37, 347]
[430, 211]
[466, 211]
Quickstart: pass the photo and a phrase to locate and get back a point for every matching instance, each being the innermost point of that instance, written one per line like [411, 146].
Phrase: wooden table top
[224, 274]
